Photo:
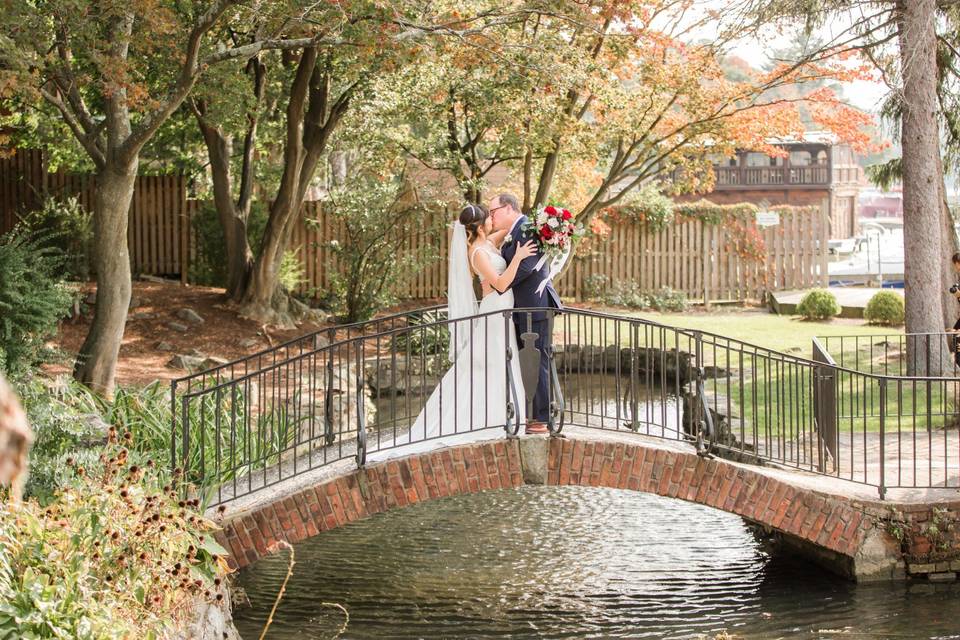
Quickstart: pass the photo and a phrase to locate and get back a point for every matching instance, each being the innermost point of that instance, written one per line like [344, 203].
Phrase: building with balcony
[815, 170]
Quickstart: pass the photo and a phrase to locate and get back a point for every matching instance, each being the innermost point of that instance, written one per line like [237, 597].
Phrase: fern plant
[33, 297]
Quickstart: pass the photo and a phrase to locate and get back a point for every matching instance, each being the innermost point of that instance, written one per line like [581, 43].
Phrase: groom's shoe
[535, 427]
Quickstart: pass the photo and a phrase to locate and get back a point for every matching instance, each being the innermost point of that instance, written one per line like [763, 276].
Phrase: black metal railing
[352, 394]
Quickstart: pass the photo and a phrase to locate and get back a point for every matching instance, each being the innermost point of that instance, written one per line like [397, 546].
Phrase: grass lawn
[756, 326]
[775, 396]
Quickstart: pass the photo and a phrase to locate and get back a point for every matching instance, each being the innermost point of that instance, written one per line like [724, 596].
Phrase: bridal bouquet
[554, 230]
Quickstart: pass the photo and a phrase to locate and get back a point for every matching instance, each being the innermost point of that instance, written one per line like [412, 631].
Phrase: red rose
[551, 211]
[567, 215]
[546, 232]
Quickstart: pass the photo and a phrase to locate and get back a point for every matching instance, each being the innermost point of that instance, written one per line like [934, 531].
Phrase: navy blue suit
[525, 295]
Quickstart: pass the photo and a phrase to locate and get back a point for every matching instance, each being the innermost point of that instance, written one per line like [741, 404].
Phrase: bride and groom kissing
[497, 246]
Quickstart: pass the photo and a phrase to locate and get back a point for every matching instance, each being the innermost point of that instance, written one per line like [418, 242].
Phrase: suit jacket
[527, 280]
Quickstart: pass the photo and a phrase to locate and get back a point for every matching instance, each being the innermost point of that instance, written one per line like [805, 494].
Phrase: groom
[505, 214]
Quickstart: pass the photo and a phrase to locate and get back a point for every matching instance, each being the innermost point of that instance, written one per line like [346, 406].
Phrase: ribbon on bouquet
[556, 266]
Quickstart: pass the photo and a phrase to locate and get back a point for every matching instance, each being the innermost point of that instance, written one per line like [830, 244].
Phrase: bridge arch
[846, 533]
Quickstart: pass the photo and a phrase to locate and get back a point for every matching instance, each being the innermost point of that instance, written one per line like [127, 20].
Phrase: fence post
[705, 263]
[329, 435]
[634, 373]
[361, 410]
[702, 419]
[822, 256]
[173, 425]
[883, 437]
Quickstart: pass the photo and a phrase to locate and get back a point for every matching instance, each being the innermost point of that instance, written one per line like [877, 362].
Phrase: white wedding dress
[470, 402]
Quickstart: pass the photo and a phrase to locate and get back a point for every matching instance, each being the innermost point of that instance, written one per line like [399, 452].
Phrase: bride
[472, 394]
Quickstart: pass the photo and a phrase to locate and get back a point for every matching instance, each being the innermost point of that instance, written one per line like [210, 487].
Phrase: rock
[675, 367]
[196, 353]
[91, 298]
[212, 361]
[183, 361]
[153, 279]
[877, 559]
[134, 302]
[407, 378]
[533, 458]
[308, 404]
[248, 343]
[176, 326]
[210, 620]
[190, 316]
[164, 346]
[143, 315]
[946, 576]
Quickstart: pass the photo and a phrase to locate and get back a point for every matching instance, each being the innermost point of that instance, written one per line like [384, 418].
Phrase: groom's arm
[528, 265]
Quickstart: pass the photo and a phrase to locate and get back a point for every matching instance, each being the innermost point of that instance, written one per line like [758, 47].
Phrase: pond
[559, 562]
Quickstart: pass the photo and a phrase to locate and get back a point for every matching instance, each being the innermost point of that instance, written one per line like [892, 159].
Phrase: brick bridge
[839, 524]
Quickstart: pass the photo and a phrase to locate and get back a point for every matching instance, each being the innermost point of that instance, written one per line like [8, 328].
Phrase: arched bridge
[849, 534]
[856, 467]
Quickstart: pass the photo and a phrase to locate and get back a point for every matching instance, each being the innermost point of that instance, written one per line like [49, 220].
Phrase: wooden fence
[158, 231]
[701, 261]
[695, 258]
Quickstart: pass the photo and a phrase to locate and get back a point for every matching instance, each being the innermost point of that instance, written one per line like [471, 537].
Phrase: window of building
[800, 158]
[759, 160]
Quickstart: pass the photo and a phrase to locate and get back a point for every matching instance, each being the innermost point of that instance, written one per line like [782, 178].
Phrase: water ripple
[565, 562]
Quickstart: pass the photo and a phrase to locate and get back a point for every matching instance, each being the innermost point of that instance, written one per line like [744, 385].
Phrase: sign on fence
[768, 218]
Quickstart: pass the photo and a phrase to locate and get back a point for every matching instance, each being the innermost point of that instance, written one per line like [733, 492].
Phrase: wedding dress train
[471, 399]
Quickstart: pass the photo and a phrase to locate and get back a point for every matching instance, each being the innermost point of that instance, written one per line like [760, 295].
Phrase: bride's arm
[497, 237]
[502, 282]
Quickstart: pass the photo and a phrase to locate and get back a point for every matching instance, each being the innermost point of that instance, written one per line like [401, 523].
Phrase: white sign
[768, 218]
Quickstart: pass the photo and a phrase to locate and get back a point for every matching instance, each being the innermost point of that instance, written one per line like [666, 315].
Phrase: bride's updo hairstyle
[472, 218]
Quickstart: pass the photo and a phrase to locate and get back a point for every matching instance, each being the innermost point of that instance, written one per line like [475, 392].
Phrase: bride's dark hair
[472, 218]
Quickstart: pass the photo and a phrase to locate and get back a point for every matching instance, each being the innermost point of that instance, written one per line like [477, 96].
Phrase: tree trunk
[263, 299]
[922, 217]
[312, 115]
[948, 247]
[97, 360]
[233, 215]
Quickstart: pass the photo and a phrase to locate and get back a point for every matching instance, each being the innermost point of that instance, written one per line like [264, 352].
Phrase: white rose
[553, 222]
[507, 239]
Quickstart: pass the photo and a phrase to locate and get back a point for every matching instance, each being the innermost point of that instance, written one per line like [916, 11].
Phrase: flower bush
[884, 308]
[818, 304]
[116, 555]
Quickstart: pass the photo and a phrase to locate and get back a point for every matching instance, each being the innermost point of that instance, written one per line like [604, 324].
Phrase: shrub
[595, 286]
[33, 298]
[431, 341]
[626, 293]
[648, 206]
[66, 426]
[818, 304]
[292, 274]
[378, 222]
[261, 436]
[885, 307]
[117, 555]
[210, 266]
[667, 299]
[629, 294]
[66, 225]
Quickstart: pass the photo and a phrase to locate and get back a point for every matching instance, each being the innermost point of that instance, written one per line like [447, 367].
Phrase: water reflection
[563, 562]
